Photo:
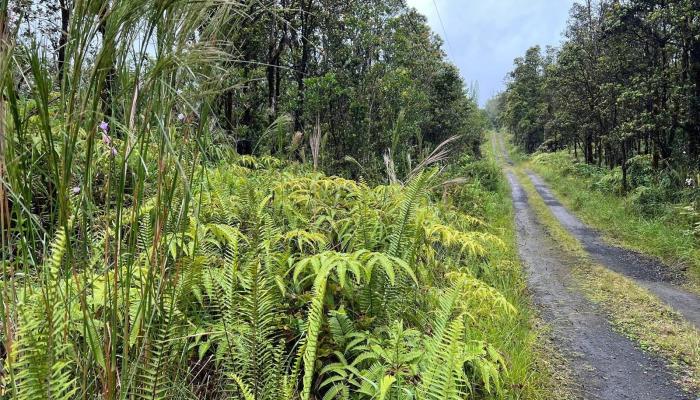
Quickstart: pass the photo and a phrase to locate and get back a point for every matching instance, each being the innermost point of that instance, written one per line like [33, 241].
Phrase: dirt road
[604, 364]
[646, 271]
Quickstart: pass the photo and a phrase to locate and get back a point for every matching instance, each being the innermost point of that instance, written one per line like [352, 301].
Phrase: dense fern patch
[280, 283]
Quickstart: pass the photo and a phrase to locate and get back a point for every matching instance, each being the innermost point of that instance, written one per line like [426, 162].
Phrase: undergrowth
[277, 282]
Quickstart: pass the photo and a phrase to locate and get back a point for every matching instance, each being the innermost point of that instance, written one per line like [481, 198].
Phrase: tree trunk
[272, 64]
[306, 29]
[275, 49]
[63, 39]
[588, 149]
[623, 163]
[694, 106]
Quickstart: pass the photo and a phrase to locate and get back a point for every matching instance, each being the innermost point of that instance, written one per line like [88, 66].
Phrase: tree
[525, 100]
[624, 82]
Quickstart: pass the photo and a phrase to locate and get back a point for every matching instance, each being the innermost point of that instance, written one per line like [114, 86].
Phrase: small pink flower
[75, 190]
[181, 117]
[106, 139]
[113, 152]
[104, 126]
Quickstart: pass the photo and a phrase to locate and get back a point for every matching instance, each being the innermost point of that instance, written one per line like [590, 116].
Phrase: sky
[485, 36]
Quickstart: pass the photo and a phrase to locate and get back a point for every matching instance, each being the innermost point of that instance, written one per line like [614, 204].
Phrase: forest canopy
[353, 78]
[624, 83]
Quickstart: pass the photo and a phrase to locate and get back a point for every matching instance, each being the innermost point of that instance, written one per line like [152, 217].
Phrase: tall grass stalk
[131, 64]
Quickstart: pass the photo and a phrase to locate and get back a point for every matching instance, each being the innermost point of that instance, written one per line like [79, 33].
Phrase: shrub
[640, 171]
[608, 181]
[556, 160]
[271, 257]
[649, 200]
[487, 173]
[584, 170]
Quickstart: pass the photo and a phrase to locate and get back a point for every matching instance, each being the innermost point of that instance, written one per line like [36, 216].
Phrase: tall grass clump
[98, 186]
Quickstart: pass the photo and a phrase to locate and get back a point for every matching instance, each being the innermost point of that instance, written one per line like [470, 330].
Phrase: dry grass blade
[315, 142]
[441, 153]
[453, 182]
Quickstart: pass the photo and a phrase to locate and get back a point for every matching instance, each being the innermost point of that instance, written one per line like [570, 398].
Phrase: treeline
[360, 86]
[624, 83]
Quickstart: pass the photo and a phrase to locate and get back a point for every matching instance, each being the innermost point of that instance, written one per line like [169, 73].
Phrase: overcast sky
[485, 36]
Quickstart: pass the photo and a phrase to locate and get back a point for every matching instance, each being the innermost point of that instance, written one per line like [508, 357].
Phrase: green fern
[281, 285]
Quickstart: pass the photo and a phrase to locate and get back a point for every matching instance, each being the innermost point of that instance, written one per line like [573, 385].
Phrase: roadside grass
[633, 310]
[517, 336]
[562, 236]
[662, 237]
[515, 153]
[556, 381]
[490, 149]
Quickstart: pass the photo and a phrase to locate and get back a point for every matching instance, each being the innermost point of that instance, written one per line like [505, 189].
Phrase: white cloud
[426, 7]
[486, 35]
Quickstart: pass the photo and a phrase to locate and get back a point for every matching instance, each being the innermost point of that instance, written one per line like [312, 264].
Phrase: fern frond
[313, 329]
[413, 193]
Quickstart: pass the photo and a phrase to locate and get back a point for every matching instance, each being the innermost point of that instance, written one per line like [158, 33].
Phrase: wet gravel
[604, 364]
[660, 279]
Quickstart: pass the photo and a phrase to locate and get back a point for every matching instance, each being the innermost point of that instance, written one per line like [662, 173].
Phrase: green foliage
[524, 101]
[641, 171]
[144, 258]
[622, 91]
[650, 194]
[249, 290]
[648, 200]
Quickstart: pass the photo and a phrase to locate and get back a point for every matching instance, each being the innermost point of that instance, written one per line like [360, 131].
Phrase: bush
[471, 198]
[558, 161]
[584, 170]
[270, 255]
[608, 181]
[565, 164]
[640, 171]
[649, 200]
[550, 146]
[486, 173]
